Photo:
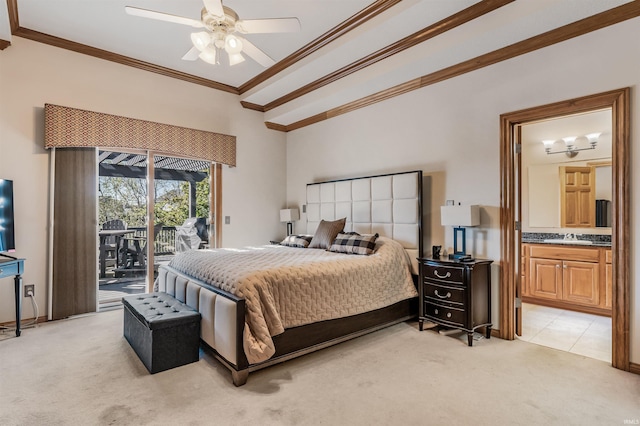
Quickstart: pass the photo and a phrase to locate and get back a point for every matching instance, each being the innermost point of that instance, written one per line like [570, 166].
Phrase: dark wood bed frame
[298, 341]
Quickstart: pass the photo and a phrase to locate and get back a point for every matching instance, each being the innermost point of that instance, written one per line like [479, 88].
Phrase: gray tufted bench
[164, 332]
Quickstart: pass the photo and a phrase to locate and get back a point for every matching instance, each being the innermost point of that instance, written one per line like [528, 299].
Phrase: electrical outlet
[227, 220]
[29, 288]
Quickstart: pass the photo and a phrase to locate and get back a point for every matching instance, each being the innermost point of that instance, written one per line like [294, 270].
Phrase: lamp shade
[289, 215]
[460, 215]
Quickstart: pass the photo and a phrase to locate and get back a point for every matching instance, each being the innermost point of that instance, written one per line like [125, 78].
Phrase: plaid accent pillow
[354, 244]
[301, 241]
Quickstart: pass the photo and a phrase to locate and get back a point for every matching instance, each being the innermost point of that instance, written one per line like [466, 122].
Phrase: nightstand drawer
[443, 273]
[444, 293]
[454, 316]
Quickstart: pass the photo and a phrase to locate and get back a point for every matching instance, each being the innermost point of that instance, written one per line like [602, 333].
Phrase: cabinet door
[608, 273]
[580, 282]
[523, 273]
[545, 278]
[577, 197]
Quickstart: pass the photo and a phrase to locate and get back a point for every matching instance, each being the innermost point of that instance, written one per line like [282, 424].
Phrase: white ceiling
[104, 24]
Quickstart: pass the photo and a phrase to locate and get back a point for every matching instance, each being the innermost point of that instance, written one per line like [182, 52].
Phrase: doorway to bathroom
[514, 251]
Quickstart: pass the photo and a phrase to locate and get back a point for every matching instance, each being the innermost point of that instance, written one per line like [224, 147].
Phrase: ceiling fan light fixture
[201, 40]
[232, 45]
[208, 55]
[235, 58]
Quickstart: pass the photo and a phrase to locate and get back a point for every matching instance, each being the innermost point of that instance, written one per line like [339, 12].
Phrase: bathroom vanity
[575, 275]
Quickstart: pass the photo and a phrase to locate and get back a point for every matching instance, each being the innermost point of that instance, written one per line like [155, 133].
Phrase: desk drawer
[450, 315]
[9, 270]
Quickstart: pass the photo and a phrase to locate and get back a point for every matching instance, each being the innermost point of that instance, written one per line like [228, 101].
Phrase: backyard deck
[111, 290]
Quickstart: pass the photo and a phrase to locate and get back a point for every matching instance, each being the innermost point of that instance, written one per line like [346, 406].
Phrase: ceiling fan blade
[191, 55]
[144, 13]
[256, 54]
[261, 26]
[214, 7]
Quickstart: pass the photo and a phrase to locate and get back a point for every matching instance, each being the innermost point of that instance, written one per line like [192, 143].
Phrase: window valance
[70, 127]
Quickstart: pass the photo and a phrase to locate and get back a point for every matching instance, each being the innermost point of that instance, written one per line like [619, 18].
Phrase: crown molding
[336, 32]
[356, 20]
[475, 11]
[584, 26]
[249, 105]
[120, 59]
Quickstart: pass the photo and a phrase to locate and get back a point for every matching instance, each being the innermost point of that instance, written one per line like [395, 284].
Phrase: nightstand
[456, 294]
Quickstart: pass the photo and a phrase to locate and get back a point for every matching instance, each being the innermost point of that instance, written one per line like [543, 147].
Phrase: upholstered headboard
[390, 205]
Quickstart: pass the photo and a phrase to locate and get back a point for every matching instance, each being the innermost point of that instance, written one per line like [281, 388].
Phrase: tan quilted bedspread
[287, 287]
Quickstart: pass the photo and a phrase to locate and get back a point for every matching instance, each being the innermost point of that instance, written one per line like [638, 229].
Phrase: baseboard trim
[23, 321]
[634, 368]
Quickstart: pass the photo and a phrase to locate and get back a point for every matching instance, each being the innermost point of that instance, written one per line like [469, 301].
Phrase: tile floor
[575, 332]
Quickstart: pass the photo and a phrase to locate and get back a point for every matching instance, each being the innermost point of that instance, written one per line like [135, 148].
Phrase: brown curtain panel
[75, 233]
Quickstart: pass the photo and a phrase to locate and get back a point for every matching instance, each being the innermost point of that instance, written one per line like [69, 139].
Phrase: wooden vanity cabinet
[568, 277]
[607, 303]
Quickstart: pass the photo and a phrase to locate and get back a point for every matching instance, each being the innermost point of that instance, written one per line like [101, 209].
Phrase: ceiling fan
[222, 26]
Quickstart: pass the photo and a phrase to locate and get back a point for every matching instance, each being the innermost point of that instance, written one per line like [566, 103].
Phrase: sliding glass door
[122, 223]
[181, 206]
[148, 211]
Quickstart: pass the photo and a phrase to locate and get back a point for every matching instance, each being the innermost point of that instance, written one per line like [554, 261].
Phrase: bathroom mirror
[541, 192]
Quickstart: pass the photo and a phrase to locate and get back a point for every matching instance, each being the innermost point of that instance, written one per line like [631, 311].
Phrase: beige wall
[451, 131]
[32, 74]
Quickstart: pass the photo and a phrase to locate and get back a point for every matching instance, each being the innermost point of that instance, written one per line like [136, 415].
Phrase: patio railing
[165, 243]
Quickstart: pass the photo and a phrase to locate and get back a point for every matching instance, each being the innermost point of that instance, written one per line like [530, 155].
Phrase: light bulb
[200, 40]
[569, 141]
[208, 55]
[593, 137]
[235, 58]
[232, 45]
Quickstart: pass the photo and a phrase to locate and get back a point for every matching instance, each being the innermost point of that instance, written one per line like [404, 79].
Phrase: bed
[264, 305]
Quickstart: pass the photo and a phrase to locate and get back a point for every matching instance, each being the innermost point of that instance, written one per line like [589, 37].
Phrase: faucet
[569, 236]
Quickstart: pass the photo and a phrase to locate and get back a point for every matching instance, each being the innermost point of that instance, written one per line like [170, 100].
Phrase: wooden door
[545, 278]
[577, 197]
[580, 282]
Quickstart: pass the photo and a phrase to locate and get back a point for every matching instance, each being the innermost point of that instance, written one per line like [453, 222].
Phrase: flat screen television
[7, 236]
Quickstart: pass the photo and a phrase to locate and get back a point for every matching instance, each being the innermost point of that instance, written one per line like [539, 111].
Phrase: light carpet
[81, 371]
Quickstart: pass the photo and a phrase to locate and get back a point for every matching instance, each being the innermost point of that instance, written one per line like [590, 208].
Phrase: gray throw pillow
[326, 233]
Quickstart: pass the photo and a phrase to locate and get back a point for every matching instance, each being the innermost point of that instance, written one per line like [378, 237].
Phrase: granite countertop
[539, 238]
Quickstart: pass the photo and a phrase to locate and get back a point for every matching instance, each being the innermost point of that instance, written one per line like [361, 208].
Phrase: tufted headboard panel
[390, 205]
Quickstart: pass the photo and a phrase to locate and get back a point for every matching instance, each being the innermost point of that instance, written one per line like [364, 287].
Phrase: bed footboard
[223, 316]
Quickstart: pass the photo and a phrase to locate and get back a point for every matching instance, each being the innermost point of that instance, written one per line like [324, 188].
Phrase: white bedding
[286, 287]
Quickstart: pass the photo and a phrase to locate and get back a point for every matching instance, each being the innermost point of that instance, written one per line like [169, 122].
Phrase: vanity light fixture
[571, 142]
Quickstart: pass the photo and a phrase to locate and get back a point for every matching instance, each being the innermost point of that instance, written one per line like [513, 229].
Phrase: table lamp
[459, 217]
[289, 216]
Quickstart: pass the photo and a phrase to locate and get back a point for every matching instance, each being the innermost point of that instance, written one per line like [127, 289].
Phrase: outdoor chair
[108, 245]
[136, 256]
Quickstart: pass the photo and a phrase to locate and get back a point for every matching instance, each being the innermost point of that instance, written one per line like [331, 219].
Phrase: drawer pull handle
[435, 311]
[447, 275]
[448, 314]
[446, 296]
[1, 270]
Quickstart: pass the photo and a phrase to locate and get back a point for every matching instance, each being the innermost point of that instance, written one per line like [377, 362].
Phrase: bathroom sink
[562, 241]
